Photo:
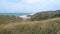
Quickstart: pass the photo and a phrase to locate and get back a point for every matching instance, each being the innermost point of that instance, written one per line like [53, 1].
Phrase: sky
[28, 6]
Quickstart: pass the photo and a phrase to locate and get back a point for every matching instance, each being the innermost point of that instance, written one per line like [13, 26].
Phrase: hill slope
[45, 15]
[41, 23]
[5, 19]
[50, 26]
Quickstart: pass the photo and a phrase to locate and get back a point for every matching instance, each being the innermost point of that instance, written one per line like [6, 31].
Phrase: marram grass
[50, 26]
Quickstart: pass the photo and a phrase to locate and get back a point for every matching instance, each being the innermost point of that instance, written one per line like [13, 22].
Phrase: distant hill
[45, 15]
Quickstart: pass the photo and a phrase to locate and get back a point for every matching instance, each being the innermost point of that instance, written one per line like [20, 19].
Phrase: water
[15, 14]
[22, 15]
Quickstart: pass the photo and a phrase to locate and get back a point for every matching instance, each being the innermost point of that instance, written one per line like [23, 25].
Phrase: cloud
[29, 5]
[31, 1]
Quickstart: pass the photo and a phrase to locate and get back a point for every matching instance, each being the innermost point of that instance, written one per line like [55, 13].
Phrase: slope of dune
[5, 19]
[50, 26]
[44, 15]
[39, 23]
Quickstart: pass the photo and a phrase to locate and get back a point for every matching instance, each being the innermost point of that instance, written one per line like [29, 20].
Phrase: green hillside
[45, 15]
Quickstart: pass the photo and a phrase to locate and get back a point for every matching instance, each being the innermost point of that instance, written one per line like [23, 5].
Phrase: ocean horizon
[15, 14]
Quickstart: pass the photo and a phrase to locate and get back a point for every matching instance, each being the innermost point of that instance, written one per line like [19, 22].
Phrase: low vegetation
[40, 23]
[45, 15]
[51, 26]
[4, 19]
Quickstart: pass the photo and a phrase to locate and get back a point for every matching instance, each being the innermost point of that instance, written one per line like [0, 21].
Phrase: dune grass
[50, 26]
[5, 19]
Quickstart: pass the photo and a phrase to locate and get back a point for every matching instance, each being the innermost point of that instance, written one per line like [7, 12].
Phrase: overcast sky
[28, 6]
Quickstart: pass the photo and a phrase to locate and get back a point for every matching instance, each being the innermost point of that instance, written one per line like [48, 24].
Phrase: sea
[16, 14]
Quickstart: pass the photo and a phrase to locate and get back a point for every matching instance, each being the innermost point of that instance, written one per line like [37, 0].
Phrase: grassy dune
[5, 19]
[45, 15]
[50, 26]
[39, 23]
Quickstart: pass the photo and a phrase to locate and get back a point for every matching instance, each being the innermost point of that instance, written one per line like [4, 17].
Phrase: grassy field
[50, 26]
[5, 19]
[39, 23]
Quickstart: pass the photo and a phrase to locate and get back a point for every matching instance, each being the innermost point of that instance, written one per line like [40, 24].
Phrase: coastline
[25, 16]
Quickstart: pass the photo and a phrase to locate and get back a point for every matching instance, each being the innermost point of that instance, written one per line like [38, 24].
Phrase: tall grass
[51, 26]
[5, 19]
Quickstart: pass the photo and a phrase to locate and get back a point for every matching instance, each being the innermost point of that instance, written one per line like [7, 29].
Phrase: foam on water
[25, 16]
